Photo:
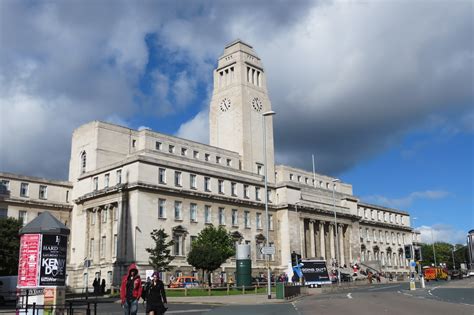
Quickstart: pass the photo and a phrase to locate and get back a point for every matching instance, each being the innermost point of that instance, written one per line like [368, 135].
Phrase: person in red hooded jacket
[131, 290]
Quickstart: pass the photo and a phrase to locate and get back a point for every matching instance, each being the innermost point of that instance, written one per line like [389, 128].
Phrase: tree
[160, 256]
[444, 254]
[211, 249]
[9, 245]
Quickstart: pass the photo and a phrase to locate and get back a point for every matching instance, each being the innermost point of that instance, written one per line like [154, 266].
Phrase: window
[119, 177]
[177, 210]
[220, 185]
[393, 238]
[259, 169]
[22, 216]
[192, 181]
[134, 143]
[104, 216]
[83, 162]
[257, 193]
[207, 184]
[258, 250]
[291, 176]
[95, 181]
[196, 154]
[218, 159]
[270, 221]
[177, 245]
[171, 148]
[162, 176]
[258, 221]
[91, 248]
[375, 235]
[3, 213]
[106, 180]
[158, 145]
[387, 237]
[193, 212]
[207, 157]
[246, 191]
[299, 178]
[247, 219]
[235, 217]
[43, 192]
[381, 236]
[306, 180]
[221, 216]
[67, 195]
[184, 151]
[24, 189]
[115, 213]
[368, 235]
[93, 218]
[177, 179]
[229, 162]
[207, 214]
[114, 248]
[233, 189]
[6, 184]
[161, 208]
[102, 247]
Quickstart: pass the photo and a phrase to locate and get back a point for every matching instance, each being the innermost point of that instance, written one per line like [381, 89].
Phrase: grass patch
[215, 292]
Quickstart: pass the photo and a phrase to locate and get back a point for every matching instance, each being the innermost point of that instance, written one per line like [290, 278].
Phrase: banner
[53, 260]
[28, 261]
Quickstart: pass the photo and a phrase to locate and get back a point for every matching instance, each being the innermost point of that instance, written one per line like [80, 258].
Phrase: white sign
[268, 250]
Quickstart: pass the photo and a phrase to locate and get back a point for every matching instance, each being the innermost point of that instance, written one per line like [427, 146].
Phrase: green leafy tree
[212, 247]
[444, 254]
[160, 255]
[9, 245]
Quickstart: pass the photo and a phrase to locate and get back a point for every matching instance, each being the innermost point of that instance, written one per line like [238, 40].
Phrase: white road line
[399, 291]
[189, 311]
[349, 295]
[429, 292]
[381, 288]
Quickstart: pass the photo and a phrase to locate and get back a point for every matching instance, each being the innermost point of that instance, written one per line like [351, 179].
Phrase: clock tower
[239, 100]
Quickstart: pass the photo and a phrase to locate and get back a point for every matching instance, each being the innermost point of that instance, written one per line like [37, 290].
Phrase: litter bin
[280, 290]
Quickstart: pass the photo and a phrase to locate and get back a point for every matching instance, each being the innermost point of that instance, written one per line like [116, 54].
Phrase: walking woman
[156, 296]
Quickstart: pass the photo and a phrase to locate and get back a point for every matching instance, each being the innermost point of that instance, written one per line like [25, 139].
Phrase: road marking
[349, 295]
[189, 311]
[429, 292]
[381, 288]
[399, 291]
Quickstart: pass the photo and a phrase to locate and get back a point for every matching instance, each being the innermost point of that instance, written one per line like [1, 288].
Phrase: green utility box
[243, 266]
[280, 290]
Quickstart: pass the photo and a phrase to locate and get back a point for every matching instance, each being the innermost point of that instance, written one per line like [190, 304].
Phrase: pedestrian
[156, 296]
[131, 290]
[96, 285]
[102, 287]
[369, 277]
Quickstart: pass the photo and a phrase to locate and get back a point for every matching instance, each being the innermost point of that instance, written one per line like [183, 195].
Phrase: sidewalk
[228, 299]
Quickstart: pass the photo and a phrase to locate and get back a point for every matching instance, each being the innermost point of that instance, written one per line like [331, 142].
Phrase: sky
[381, 92]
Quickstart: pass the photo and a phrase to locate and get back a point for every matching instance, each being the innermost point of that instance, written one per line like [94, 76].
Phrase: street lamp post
[137, 229]
[454, 264]
[433, 244]
[334, 181]
[267, 256]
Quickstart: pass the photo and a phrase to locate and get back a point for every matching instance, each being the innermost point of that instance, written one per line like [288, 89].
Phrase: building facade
[127, 183]
[26, 197]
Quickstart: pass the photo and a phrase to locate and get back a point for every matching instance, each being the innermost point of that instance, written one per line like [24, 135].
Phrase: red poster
[29, 259]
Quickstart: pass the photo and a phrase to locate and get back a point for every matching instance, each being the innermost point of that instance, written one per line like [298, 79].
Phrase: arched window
[83, 162]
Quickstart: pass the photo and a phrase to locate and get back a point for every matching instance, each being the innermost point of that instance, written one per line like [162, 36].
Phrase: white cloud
[441, 233]
[196, 129]
[408, 200]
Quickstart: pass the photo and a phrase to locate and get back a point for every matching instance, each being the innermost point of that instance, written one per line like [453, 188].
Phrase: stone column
[311, 238]
[349, 239]
[340, 232]
[331, 241]
[302, 236]
[322, 240]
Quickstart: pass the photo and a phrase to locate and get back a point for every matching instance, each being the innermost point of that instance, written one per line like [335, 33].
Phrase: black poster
[53, 260]
[315, 271]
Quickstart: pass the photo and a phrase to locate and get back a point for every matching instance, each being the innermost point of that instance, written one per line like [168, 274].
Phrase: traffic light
[418, 256]
[408, 251]
[294, 259]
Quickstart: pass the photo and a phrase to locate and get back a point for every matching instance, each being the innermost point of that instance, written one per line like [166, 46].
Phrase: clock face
[225, 104]
[257, 104]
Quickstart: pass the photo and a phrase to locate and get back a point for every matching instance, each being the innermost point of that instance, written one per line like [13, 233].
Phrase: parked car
[185, 282]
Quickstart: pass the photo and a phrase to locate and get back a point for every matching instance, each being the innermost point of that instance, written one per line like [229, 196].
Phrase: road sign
[413, 264]
[268, 250]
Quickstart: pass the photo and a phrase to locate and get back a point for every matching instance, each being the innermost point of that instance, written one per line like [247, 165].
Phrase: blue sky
[380, 92]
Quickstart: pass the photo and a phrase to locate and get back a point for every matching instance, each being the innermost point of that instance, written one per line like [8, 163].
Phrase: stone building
[127, 183]
[26, 197]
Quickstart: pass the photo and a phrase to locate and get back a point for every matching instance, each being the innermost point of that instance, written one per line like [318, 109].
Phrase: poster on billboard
[53, 260]
[28, 260]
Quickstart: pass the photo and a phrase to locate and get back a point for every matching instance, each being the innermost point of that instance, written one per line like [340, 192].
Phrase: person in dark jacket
[156, 296]
[131, 290]
[96, 285]
[102, 287]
